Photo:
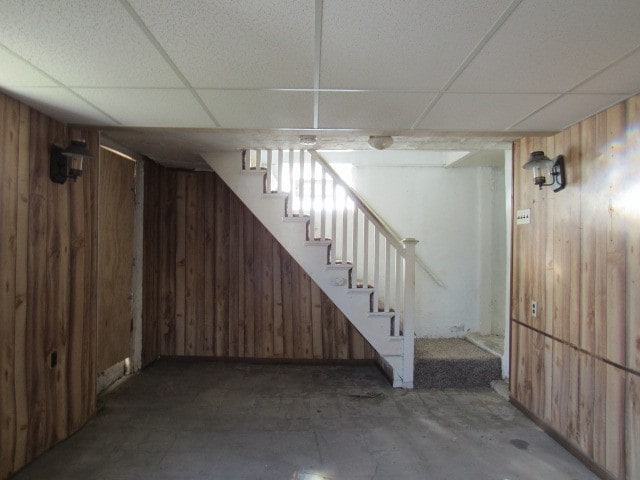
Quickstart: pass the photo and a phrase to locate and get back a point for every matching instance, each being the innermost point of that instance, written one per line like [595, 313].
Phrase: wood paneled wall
[47, 295]
[115, 257]
[218, 284]
[576, 365]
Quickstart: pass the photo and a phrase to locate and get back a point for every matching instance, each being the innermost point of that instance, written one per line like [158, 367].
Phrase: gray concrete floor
[241, 421]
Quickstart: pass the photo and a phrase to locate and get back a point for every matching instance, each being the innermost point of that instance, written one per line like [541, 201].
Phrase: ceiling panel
[260, 108]
[623, 77]
[61, 104]
[83, 43]
[568, 110]
[149, 108]
[235, 43]
[380, 110]
[16, 71]
[461, 111]
[400, 45]
[548, 46]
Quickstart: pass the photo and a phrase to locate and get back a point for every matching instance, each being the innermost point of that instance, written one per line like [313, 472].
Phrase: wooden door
[115, 257]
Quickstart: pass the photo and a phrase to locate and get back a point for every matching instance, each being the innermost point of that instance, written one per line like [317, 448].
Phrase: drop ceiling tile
[16, 71]
[382, 110]
[623, 77]
[236, 43]
[83, 43]
[548, 46]
[61, 104]
[149, 107]
[412, 44]
[478, 112]
[260, 108]
[567, 110]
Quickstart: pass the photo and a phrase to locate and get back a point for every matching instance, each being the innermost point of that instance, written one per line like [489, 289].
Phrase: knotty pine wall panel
[576, 365]
[218, 284]
[48, 271]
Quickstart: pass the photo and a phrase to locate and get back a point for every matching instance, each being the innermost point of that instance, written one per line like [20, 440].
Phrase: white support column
[409, 309]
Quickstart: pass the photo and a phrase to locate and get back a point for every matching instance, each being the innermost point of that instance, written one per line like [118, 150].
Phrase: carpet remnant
[453, 363]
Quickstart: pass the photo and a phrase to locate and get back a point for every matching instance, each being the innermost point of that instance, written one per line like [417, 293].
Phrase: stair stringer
[355, 304]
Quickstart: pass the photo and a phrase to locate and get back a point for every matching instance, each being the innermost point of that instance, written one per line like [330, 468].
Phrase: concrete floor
[240, 421]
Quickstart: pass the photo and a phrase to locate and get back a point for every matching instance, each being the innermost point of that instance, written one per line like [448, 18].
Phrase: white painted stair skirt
[344, 246]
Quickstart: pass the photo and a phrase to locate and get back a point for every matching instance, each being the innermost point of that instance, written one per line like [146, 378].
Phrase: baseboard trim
[269, 360]
[553, 433]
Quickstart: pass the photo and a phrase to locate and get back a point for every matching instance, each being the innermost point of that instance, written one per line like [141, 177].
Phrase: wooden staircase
[339, 241]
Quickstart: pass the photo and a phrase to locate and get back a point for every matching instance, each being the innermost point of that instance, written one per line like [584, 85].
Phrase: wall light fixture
[545, 169]
[67, 163]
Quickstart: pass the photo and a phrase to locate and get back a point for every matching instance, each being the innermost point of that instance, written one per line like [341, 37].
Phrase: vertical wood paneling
[151, 289]
[616, 235]
[8, 223]
[629, 207]
[181, 262]
[37, 367]
[191, 263]
[22, 235]
[209, 267]
[278, 317]
[266, 248]
[165, 237]
[632, 423]
[115, 257]
[258, 286]
[234, 291]
[249, 293]
[47, 301]
[251, 300]
[221, 317]
[579, 258]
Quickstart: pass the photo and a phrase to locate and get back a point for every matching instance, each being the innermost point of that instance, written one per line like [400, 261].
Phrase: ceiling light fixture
[67, 163]
[380, 142]
[308, 140]
[542, 167]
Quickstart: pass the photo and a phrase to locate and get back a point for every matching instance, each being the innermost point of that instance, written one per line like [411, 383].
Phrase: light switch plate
[523, 217]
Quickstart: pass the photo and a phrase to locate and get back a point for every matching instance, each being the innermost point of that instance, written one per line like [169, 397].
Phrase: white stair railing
[336, 215]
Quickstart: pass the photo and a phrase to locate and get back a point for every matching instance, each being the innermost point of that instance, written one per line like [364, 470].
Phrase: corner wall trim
[579, 349]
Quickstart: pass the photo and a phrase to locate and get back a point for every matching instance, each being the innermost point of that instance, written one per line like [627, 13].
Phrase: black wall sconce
[67, 163]
[543, 168]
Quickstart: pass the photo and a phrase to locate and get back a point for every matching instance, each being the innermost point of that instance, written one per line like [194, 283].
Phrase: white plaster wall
[458, 214]
[442, 208]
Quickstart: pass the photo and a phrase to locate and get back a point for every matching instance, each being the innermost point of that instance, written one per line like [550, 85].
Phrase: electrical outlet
[534, 308]
[523, 217]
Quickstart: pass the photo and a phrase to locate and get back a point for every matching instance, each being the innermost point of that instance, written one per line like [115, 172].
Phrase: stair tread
[318, 242]
[275, 195]
[448, 349]
[360, 290]
[295, 218]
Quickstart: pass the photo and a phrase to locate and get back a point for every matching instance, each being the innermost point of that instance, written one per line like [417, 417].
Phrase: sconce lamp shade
[543, 167]
[67, 163]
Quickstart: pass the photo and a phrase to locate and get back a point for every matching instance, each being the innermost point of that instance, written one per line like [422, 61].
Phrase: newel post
[409, 309]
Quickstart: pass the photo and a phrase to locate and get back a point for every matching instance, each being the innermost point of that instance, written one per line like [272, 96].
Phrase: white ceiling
[243, 73]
